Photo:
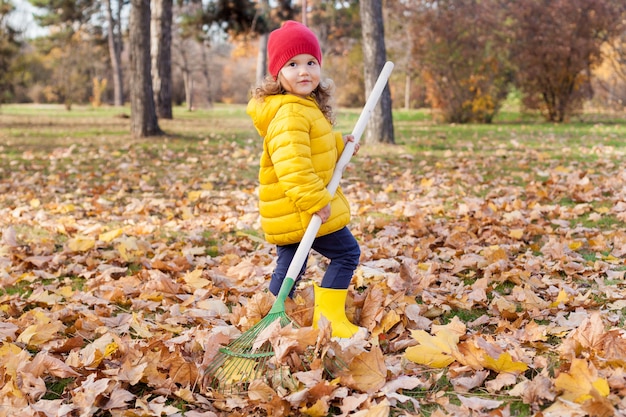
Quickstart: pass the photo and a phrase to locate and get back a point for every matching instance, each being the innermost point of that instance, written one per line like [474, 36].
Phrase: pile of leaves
[491, 283]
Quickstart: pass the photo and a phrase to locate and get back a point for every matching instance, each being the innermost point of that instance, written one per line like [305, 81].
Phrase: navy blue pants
[340, 247]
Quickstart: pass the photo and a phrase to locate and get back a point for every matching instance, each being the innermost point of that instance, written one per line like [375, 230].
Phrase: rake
[241, 362]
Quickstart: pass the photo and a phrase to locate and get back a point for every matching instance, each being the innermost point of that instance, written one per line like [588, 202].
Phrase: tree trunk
[115, 51]
[205, 72]
[187, 72]
[161, 54]
[380, 126]
[261, 61]
[407, 91]
[143, 119]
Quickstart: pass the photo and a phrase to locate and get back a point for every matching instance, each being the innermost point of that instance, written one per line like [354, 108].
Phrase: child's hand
[324, 213]
[350, 138]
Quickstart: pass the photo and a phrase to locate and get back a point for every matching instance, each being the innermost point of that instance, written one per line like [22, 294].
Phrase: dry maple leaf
[44, 330]
[367, 372]
[44, 363]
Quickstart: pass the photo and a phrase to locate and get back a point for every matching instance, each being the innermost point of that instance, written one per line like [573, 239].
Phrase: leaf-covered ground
[491, 282]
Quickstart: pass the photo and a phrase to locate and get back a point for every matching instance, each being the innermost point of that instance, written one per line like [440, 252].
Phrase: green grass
[55, 388]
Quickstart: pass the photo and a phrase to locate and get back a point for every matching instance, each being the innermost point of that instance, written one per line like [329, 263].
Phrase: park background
[492, 229]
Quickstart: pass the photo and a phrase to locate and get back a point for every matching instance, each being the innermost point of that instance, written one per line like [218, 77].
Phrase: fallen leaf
[504, 363]
[367, 372]
[581, 383]
[436, 351]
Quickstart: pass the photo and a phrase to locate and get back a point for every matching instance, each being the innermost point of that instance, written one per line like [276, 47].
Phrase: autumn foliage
[556, 45]
[461, 50]
[491, 282]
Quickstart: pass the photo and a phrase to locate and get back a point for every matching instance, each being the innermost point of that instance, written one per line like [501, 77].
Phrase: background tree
[400, 41]
[261, 25]
[244, 20]
[555, 45]
[115, 43]
[143, 118]
[461, 51]
[338, 26]
[380, 126]
[161, 54]
[9, 51]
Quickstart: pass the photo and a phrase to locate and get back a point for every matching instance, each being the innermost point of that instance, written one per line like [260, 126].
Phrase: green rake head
[240, 363]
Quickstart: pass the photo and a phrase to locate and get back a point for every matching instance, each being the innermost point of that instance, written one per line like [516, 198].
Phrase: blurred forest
[462, 58]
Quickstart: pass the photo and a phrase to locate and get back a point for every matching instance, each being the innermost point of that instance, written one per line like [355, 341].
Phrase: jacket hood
[263, 111]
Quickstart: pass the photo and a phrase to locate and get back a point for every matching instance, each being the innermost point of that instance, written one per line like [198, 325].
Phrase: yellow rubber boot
[331, 303]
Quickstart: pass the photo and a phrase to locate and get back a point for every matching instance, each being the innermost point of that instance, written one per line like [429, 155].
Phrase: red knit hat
[292, 39]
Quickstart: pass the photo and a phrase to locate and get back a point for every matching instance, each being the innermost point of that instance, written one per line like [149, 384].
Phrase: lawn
[491, 278]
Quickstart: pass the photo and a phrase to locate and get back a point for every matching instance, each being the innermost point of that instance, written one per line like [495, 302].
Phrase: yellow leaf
[45, 297]
[426, 182]
[388, 321]
[186, 213]
[194, 195]
[111, 348]
[195, 280]
[40, 332]
[575, 245]
[495, 253]
[130, 248]
[65, 291]
[319, 409]
[581, 382]
[81, 243]
[140, 327]
[504, 364]
[110, 235]
[561, 298]
[516, 233]
[436, 351]
[12, 358]
[67, 208]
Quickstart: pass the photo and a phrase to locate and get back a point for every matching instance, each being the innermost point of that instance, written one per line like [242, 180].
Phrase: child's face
[300, 75]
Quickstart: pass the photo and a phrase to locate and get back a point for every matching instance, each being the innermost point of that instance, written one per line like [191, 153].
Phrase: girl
[291, 111]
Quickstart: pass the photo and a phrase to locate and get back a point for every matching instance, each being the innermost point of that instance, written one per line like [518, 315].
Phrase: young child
[291, 110]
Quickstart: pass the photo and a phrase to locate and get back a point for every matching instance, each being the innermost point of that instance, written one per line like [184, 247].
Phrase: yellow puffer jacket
[300, 151]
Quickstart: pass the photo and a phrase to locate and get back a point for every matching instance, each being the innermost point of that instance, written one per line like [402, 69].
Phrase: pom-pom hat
[291, 39]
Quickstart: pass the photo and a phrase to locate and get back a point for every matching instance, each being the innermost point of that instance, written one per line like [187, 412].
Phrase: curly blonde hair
[323, 94]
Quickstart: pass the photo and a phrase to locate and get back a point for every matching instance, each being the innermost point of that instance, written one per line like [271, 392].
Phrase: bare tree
[143, 120]
[380, 127]
[161, 54]
[114, 34]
